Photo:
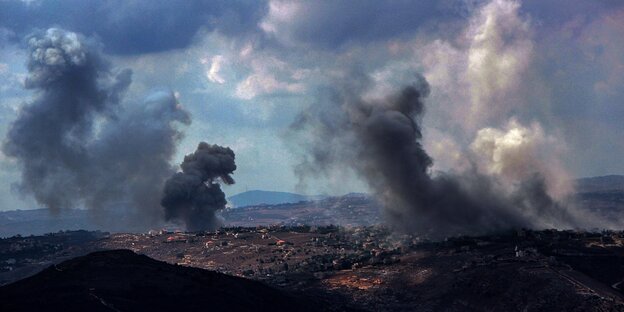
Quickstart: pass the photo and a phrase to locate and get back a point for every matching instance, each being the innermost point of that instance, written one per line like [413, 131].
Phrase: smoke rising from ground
[516, 152]
[380, 139]
[193, 195]
[78, 146]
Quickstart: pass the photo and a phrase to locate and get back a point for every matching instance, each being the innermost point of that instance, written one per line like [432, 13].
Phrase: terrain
[120, 280]
[373, 269]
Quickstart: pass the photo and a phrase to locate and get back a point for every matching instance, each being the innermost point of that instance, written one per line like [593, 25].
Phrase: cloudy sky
[547, 76]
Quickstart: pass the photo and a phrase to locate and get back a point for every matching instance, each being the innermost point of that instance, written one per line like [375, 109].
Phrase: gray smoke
[194, 195]
[380, 139]
[76, 143]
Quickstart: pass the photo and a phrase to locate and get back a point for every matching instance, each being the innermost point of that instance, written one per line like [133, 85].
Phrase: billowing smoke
[380, 139]
[194, 195]
[516, 152]
[79, 146]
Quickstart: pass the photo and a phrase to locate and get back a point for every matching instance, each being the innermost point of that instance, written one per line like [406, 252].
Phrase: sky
[547, 76]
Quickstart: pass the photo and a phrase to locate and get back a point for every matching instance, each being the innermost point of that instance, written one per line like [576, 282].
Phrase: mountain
[353, 209]
[120, 280]
[257, 197]
[603, 195]
[600, 184]
[41, 221]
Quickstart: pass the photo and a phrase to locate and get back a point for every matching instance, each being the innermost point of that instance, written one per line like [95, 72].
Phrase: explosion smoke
[194, 195]
[381, 141]
[78, 146]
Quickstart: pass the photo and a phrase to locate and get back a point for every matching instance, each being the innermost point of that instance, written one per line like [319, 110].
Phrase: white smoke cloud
[450, 155]
[517, 153]
[479, 84]
[479, 77]
[500, 52]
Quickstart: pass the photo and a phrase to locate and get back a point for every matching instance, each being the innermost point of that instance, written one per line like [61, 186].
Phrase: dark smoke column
[72, 85]
[380, 140]
[194, 195]
[78, 144]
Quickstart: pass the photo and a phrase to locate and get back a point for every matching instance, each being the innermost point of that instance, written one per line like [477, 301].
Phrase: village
[368, 265]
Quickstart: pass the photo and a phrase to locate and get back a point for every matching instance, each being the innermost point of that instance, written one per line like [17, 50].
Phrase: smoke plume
[194, 195]
[380, 139]
[78, 146]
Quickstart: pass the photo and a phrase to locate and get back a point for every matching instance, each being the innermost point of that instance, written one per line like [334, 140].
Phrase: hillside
[344, 268]
[120, 280]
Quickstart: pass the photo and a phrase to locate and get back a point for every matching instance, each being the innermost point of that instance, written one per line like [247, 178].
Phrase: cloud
[214, 71]
[258, 84]
[268, 76]
[333, 24]
[134, 27]
[10, 82]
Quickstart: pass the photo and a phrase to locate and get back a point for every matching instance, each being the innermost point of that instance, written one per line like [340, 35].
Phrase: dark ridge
[120, 280]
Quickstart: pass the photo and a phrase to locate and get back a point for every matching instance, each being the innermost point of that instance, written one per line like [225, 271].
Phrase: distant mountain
[257, 197]
[353, 209]
[120, 280]
[602, 195]
[41, 221]
[600, 184]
